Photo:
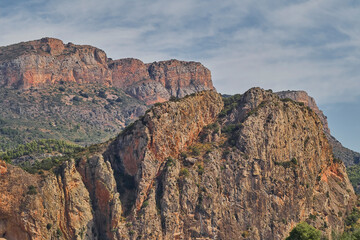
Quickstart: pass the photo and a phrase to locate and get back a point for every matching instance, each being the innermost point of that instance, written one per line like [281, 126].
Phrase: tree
[304, 231]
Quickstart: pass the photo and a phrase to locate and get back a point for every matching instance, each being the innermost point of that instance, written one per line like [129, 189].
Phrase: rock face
[348, 156]
[45, 207]
[189, 169]
[53, 90]
[302, 96]
[48, 61]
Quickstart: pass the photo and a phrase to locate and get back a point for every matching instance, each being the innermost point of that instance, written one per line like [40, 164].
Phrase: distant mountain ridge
[48, 60]
[49, 89]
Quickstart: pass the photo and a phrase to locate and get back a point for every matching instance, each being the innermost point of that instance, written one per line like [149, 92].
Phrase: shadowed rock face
[348, 156]
[191, 168]
[48, 61]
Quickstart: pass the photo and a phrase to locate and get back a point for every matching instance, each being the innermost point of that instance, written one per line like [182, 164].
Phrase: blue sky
[309, 45]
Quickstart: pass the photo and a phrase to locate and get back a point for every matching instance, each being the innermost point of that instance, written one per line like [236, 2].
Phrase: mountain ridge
[252, 169]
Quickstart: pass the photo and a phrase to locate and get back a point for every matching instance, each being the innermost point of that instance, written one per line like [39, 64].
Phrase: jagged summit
[348, 156]
[250, 166]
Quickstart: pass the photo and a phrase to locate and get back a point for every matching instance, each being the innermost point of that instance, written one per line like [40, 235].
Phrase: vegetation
[230, 103]
[184, 172]
[40, 147]
[32, 190]
[286, 164]
[52, 113]
[354, 176]
[304, 231]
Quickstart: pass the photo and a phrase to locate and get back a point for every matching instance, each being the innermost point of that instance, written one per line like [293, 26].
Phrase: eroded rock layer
[189, 169]
[48, 61]
[348, 156]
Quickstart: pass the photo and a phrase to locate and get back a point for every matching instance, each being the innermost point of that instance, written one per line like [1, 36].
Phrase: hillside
[49, 89]
[350, 158]
[247, 167]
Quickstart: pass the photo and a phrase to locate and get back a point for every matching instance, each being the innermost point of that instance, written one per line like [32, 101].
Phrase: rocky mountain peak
[302, 96]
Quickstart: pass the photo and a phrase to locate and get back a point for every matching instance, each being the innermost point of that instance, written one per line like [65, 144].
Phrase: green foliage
[230, 103]
[354, 176]
[48, 226]
[286, 164]
[170, 162]
[40, 147]
[352, 219]
[173, 99]
[32, 190]
[184, 172]
[294, 161]
[200, 169]
[58, 232]
[287, 100]
[145, 204]
[183, 155]
[304, 231]
[195, 151]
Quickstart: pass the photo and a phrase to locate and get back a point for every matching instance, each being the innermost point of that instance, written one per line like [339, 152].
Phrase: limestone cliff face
[45, 207]
[302, 96]
[189, 169]
[49, 61]
[348, 156]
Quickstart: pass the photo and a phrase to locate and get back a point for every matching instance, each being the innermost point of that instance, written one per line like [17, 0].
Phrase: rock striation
[348, 156]
[202, 167]
[49, 61]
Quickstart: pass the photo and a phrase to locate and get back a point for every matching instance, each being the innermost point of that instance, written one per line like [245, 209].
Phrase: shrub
[32, 190]
[48, 226]
[304, 231]
[184, 172]
[195, 151]
[200, 169]
[183, 155]
[58, 232]
[102, 94]
[170, 162]
[145, 204]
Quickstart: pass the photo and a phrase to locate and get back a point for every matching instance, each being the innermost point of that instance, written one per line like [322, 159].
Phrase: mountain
[49, 89]
[251, 166]
[348, 156]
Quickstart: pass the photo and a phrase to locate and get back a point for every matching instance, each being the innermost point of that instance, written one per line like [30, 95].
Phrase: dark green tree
[304, 231]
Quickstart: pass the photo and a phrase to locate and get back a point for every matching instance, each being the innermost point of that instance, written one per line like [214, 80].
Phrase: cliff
[49, 61]
[247, 167]
[348, 156]
[49, 89]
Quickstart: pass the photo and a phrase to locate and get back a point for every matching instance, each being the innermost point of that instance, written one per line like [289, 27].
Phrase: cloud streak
[312, 45]
[309, 45]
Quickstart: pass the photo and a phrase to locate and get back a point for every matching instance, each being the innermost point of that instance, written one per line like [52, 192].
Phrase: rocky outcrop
[45, 207]
[348, 156]
[162, 133]
[303, 97]
[190, 169]
[49, 61]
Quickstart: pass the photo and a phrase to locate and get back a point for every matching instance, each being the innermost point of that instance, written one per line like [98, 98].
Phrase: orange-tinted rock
[302, 96]
[3, 168]
[48, 61]
[348, 156]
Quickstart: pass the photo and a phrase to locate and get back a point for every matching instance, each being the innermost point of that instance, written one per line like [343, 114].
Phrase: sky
[309, 45]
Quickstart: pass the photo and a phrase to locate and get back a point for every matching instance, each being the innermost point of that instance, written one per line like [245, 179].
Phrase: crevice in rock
[158, 196]
[126, 187]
